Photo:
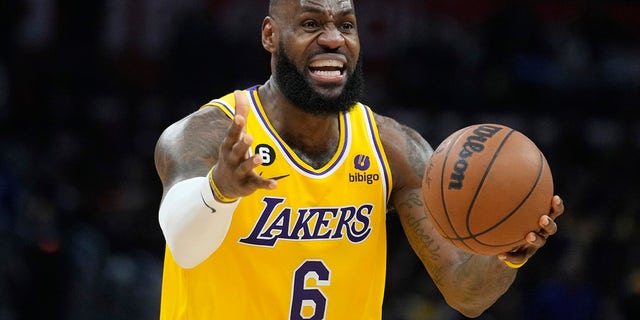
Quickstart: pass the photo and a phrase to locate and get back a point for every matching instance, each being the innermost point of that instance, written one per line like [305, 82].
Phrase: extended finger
[251, 178]
[247, 166]
[535, 239]
[242, 106]
[557, 207]
[235, 132]
[548, 225]
[238, 125]
[516, 257]
[241, 146]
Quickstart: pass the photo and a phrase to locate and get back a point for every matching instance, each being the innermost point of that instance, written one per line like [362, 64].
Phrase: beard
[296, 88]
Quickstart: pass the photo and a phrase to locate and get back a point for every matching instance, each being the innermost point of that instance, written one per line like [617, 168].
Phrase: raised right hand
[233, 173]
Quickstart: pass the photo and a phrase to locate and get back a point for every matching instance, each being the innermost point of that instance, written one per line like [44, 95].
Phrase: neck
[314, 138]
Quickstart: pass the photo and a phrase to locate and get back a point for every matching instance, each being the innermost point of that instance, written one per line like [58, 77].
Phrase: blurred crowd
[86, 88]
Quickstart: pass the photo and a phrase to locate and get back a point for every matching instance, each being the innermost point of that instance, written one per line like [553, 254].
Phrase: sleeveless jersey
[313, 248]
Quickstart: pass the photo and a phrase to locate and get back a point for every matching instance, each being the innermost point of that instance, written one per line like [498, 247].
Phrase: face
[301, 91]
[317, 58]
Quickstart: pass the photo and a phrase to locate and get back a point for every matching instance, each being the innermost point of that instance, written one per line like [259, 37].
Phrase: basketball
[485, 188]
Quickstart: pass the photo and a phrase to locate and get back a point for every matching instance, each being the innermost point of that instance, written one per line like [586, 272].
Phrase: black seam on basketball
[533, 187]
[484, 177]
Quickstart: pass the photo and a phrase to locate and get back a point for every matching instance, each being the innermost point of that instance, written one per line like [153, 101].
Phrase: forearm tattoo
[423, 242]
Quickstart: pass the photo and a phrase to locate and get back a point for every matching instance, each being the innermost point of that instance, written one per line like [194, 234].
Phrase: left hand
[536, 239]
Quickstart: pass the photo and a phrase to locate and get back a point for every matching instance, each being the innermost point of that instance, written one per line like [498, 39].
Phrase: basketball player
[275, 196]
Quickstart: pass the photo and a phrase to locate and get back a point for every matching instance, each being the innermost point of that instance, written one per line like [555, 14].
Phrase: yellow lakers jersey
[313, 248]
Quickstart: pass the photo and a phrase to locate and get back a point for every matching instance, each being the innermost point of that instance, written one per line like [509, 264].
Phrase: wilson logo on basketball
[362, 163]
[474, 144]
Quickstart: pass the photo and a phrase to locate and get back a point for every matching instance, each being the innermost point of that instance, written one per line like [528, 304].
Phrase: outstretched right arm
[194, 221]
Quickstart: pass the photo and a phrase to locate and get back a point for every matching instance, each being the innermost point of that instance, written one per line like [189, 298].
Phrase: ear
[269, 41]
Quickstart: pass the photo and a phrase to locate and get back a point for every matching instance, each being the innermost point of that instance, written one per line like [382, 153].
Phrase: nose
[331, 38]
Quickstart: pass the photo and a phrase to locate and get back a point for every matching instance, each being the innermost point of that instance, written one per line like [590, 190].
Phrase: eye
[347, 27]
[310, 24]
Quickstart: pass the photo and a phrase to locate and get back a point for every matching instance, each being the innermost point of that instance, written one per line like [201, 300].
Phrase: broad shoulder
[189, 147]
[407, 152]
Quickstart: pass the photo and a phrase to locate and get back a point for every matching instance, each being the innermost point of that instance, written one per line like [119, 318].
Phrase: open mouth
[327, 68]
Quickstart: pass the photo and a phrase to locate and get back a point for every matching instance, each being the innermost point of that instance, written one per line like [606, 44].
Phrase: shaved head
[276, 5]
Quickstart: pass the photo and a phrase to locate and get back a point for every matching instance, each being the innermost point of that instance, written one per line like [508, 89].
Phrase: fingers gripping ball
[485, 188]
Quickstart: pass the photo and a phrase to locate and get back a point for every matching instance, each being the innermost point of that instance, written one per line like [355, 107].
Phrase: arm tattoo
[189, 147]
[418, 151]
[423, 242]
[411, 152]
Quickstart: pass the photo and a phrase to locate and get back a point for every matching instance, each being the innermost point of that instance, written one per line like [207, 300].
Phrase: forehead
[326, 6]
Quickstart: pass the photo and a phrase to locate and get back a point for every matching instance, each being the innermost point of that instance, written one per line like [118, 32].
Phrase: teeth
[327, 63]
[327, 73]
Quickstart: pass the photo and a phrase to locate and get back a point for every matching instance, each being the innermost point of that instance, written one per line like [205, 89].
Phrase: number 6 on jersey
[307, 300]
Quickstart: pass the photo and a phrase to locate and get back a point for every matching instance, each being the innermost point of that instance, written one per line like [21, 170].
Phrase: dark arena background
[86, 87]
